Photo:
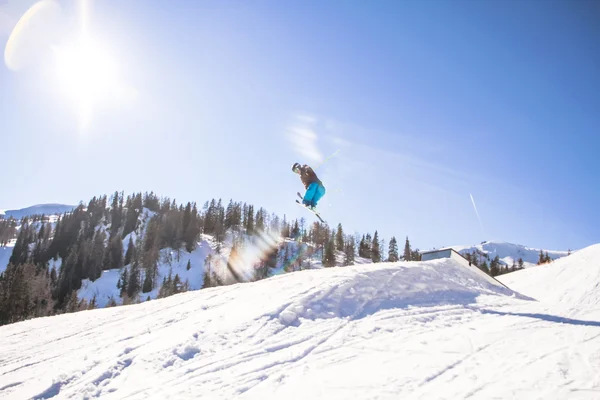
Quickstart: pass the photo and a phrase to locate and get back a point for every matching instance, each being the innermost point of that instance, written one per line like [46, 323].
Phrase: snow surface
[416, 330]
[509, 252]
[572, 283]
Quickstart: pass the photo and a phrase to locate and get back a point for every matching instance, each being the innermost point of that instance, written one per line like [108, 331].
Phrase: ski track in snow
[430, 330]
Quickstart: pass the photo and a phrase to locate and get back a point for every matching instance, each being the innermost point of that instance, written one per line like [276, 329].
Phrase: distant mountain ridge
[47, 209]
[509, 252]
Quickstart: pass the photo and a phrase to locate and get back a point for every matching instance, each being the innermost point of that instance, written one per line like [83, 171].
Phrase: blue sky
[422, 104]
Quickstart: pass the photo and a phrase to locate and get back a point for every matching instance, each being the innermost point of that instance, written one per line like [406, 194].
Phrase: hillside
[397, 330]
[572, 283]
[129, 249]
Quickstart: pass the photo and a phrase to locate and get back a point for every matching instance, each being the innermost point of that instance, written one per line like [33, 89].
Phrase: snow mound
[366, 290]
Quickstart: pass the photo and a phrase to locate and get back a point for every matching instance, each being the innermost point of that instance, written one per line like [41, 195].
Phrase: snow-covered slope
[5, 253]
[47, 209]
[572, 283]
[428, 330]
[509, 252]
[172, 262]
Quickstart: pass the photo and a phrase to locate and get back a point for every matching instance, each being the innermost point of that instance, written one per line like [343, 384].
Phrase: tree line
[50, 260]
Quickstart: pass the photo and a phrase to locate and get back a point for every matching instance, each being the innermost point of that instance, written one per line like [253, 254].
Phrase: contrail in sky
[477, 212]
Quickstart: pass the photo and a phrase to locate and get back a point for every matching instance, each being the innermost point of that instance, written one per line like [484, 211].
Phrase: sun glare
[86, 73]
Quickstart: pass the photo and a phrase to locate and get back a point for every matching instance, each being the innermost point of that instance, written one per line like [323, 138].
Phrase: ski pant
[313, 194]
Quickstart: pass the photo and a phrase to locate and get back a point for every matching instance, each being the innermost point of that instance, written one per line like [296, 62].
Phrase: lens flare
[246, 260]
[33, 34]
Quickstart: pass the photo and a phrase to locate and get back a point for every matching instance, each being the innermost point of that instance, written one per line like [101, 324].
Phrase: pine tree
[124, 282]
[393, 250]
[375, 253]
[129, 252]
[368, 245]
[260, 220]
[113, 256]
[96, 257]
[189, 265]
[295, 230]
[484, 267]
[361, 248]
[329, 254]
[415, 255]
[521, 263]
[541, 258]
[285, 228]
[229, 215]
[407, 251]
[495, 266]
[339, 238]
[116, 213]
[147, 286]
[165, 288]
[134, 208]
[349, 253]
[250, 221]
[134, 281]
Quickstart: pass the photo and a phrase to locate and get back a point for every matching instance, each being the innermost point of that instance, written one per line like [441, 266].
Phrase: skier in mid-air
[314, 187]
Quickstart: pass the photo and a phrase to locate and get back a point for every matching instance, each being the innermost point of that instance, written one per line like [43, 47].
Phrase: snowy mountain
[39, 209]
[433, 330]
[509, 252]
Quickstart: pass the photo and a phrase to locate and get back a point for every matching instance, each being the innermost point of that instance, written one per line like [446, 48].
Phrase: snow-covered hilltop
[432, 330]
[39, 209]
[510, 253]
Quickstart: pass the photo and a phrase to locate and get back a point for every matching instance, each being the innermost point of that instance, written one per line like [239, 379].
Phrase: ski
[312, 211]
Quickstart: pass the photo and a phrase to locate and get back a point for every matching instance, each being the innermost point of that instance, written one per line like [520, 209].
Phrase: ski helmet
[296, 167]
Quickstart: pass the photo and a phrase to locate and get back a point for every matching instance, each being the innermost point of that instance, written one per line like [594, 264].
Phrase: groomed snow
[429, 330]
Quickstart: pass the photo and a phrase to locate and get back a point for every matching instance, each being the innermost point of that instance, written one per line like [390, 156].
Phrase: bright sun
[86, 73]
